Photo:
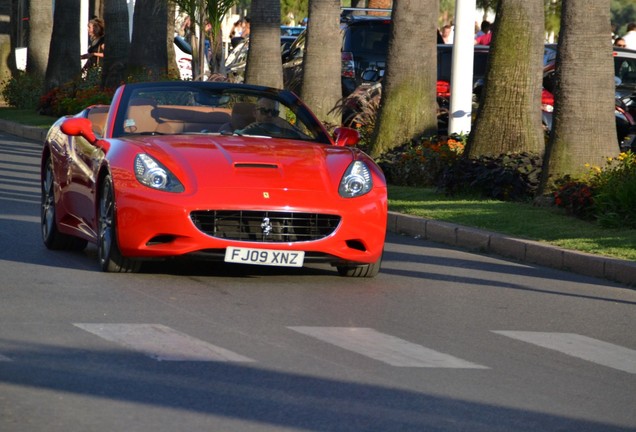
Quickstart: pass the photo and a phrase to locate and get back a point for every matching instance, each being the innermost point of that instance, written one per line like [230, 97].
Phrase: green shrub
[74, 96]
[23, 90]
[615, 192]
[507, 177]
[575, 197]
[421, 162]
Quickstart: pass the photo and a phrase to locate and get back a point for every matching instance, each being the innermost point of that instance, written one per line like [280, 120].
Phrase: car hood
[241, 161]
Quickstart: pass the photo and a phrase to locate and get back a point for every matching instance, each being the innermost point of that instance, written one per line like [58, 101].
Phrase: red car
[233, 172]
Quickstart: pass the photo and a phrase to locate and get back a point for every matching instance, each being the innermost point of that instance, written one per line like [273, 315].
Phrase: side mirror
[80, 126]
[345, 136]
[370, 75]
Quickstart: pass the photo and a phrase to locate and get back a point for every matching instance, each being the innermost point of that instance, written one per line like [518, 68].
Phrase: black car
[365, 43]
[237, 58]
[370, 89]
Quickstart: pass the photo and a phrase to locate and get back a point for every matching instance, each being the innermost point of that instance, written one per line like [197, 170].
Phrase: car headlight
[356, 180]
[151, 173]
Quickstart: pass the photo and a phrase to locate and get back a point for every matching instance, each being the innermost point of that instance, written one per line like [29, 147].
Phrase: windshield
[368, 38]
[186, 108]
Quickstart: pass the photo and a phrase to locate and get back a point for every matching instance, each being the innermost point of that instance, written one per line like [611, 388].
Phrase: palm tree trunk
[40, 25]
[321, 88]
[584, 127]
[64, 60]
[509, 117]
[409, 104]
[116, 43]
[150, 25]
[264, 65]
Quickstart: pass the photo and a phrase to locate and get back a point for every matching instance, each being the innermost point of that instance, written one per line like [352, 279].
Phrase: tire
[365, 270]
[52, 238]
[108, 254]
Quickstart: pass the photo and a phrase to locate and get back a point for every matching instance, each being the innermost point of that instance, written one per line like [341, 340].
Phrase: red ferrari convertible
[233, 172]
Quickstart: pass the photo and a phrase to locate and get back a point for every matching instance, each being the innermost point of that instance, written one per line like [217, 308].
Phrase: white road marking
[4, 358]
[385, 348]
[162, 343]
[593, 350]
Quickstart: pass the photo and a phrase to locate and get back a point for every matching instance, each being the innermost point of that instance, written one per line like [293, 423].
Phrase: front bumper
[152, 224]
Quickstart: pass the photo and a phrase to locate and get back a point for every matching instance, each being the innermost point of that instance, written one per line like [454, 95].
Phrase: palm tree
[40, 25]
[208, 15]
[173, 69]
[6, 48]
[215, 11]
[64, 59]
[584, 128]
[409, 105]
[321, 88]
[264, 65]
[148, 52]
[117, 44]
[509, 118]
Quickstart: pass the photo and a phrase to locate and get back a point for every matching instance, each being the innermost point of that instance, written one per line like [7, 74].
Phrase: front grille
[265, 226]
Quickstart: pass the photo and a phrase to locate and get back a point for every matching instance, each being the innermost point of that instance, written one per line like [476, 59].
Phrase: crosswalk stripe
[162, 343]
[575, 345]
[385, 348]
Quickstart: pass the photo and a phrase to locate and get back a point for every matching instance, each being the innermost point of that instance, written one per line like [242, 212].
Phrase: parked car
[183, 53]
[230, 172]
[625, 72]
[625, 96]
[370, 87]
[364, 45]
[291, 30]
[237, 58]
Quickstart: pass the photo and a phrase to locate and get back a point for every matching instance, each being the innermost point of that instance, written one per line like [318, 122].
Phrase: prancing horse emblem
[266, 226]
[266, 195]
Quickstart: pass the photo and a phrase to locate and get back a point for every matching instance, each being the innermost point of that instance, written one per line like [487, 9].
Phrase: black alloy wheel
[109, 256]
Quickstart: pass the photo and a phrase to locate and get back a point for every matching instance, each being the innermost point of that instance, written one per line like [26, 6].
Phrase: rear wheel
[110, 258]
[52, 238]
[365, 270]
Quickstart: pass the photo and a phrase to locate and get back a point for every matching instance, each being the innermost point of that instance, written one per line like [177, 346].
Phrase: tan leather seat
[242, 115]
[140, 116]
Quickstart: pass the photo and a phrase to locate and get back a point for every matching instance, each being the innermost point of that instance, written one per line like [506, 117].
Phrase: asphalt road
[441, 340]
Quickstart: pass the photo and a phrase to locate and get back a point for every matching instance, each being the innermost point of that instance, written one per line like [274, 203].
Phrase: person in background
[236, 34]
[620, 42]
[95, 44]
[447, 34]
[246, 27]
[630, 36]
[485, 36]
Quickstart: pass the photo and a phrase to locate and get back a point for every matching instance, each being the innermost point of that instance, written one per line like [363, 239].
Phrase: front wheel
[110, 258]
[364, 270]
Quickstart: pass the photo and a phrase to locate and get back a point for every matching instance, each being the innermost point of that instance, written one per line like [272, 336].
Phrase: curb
[28, 132]
[526, 251]
[472, 239]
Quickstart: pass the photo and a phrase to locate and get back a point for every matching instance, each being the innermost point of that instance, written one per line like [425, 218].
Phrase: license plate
[264, 257]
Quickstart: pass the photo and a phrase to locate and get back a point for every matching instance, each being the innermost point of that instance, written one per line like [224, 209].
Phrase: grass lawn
[516, 219]
[26, 117]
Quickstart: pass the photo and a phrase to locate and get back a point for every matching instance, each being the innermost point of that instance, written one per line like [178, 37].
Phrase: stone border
[527, 251]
